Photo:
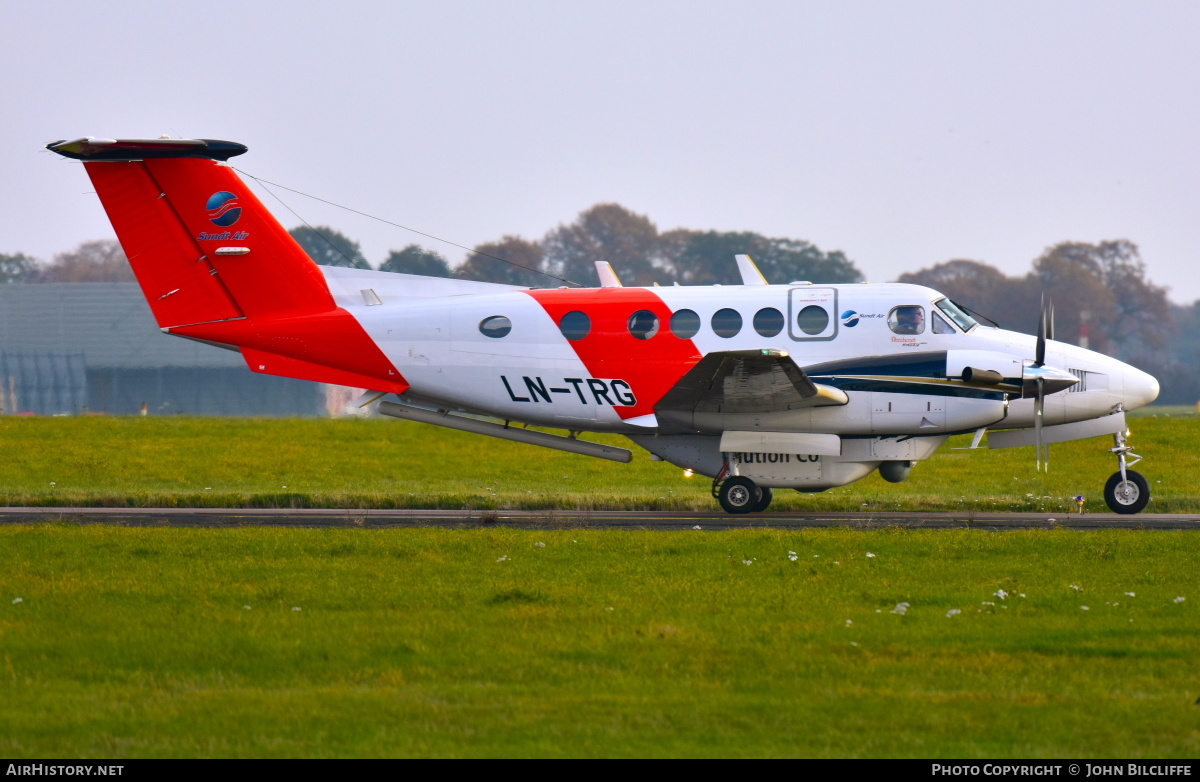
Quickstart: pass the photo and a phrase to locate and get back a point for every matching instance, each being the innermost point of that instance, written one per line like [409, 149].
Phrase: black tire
[739, 495]
[764, 500]
[1129, 496]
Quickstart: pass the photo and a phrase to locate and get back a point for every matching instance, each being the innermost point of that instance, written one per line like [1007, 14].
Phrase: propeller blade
[1038, 408]
[1050, 319]
[1040, 356]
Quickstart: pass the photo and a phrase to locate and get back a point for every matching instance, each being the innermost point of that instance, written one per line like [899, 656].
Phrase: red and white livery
[801, 385]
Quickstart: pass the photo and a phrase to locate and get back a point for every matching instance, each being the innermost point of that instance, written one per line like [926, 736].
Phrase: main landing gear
[741, 495]
[1127, 491]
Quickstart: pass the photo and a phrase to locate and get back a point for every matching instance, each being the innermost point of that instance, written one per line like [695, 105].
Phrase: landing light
[688, 473]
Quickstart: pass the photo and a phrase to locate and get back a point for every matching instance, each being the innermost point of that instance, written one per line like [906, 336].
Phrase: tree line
[638, 252]
[1100, 292]
[1102, 299]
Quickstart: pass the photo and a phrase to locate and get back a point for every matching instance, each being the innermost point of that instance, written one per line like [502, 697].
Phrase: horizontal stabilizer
[284, 366]
[92, 148]
[1080, 430]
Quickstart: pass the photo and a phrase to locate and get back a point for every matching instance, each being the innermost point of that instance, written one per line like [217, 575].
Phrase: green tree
[18, 268]
[511, 261]
[605, 232]
[101, 260]
[1011, 302]
[328, 247]
[707, 257]
[415, 259]
[1175, 366]
[1105, 285]
[1141, 315]
[1098, 289]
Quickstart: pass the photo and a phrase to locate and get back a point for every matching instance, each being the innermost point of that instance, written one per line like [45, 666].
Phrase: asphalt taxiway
[574, 519]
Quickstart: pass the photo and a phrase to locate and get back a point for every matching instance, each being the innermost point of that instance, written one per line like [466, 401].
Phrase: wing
[745, 381]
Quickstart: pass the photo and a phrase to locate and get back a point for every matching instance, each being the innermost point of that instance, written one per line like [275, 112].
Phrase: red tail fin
[202, 245]
[215, 265]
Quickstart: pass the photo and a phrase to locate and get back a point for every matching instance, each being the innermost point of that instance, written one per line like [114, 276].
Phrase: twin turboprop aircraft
[802, 386]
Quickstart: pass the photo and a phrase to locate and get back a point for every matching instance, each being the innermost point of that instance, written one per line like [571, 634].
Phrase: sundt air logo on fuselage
[223, 208]
[850, 318]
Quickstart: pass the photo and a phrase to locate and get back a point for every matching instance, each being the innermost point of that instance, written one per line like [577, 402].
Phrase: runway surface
[549, 519]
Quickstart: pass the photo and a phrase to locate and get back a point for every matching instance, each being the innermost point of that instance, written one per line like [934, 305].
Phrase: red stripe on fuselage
[652, 366]
[325, 347]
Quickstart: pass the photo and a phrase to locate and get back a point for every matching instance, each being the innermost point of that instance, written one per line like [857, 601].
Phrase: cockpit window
[909, 319]
[941, 325]
[955, 313]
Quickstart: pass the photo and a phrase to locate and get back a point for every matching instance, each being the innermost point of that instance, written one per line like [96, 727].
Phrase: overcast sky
[902, 133]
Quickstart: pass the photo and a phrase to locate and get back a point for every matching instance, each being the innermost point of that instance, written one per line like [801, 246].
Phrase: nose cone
[1140, 388]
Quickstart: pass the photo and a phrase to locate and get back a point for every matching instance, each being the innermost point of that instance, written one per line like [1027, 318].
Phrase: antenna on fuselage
[749, 271]
[608, 276]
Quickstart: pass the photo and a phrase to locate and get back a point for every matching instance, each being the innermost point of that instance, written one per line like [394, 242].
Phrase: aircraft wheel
[739, 495]
[1129, 495]
[764, 501]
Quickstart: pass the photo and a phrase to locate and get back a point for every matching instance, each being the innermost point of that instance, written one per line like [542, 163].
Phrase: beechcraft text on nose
[589, 390]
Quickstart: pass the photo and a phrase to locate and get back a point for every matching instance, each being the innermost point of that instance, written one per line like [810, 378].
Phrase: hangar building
[94, 347]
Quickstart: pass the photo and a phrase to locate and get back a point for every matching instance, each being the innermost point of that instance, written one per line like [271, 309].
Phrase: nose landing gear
[1127, 491]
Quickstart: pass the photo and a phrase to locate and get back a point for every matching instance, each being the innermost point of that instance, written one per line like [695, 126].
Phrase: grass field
[505, 643]
[195, 462]
[153, 642]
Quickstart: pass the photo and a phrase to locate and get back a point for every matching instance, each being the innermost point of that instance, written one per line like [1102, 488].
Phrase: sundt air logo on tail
[223, 208]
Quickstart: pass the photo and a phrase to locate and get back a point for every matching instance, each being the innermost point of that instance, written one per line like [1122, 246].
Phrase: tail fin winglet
[91, 148]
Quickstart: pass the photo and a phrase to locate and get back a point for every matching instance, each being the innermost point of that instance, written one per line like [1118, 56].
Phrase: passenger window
[813, 319]
[909, 319]
[940, 326]
[575, 326]
[643, 324]
[495, 327]
[685, 324]
[726, 323]
[768, 321]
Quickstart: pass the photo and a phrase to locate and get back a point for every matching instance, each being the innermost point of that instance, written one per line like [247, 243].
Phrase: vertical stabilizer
[216, 266]
[203, 247]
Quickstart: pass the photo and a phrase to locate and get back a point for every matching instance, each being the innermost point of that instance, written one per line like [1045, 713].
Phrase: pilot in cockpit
[907, 320]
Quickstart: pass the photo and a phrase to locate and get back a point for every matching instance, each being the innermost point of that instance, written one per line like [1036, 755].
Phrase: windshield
[954, 313]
